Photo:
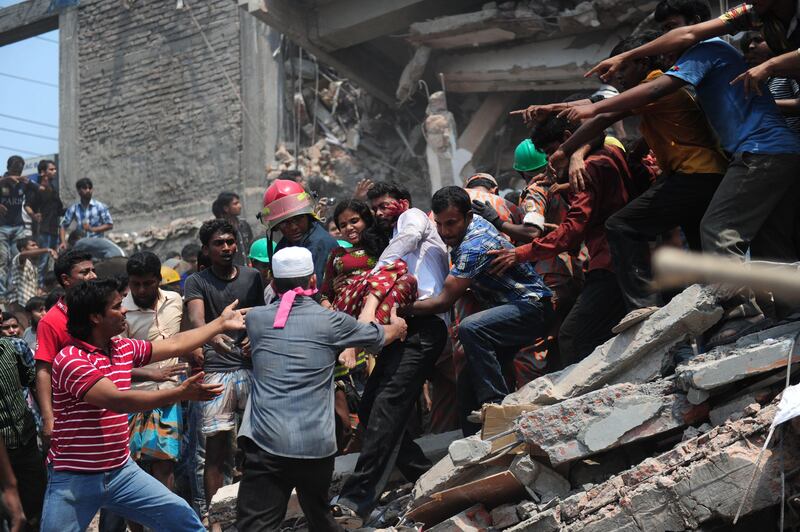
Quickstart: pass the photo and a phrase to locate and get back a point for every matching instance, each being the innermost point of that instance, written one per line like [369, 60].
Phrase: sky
[29, 106]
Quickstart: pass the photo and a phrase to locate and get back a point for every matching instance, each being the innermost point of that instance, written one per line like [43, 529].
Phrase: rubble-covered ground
[642, 435]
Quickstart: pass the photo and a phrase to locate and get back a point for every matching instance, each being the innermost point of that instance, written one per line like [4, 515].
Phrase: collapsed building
[643, 434]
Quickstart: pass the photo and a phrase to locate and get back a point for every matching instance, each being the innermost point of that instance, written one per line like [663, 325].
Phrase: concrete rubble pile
[339, 134]
[643, 435]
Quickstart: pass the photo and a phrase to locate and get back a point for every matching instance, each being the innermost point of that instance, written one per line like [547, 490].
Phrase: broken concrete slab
[547, 521]
[606, 418]
[735, 407]
[697, 481]
[636, 355]
[541, 482]
[504, 516]
[469, 450]
[720, 367]
[475, 519]
[445, 475]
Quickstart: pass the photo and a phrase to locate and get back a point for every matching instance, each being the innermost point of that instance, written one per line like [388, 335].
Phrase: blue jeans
[73, 499]
[9, 234]
[46, 241]
[494, 334]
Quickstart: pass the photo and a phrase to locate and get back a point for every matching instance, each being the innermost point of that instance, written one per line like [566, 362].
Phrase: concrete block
[540, 481]
[547, 521]
[469, 450]
[720, 414]
[504, 516]
[223, 505]
[605, 419]
[636, 355]
[720, 366]
[474, 519]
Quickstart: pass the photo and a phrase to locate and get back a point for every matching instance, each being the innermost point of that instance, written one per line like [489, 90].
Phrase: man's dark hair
[43, 164]
[218, 225]
[451, 196]
[9, 316]
[22, 242]
[551, 129]
[692, 11]
[481, 182]
[85, 299]
[143, 263]
[15, 165]
[222, 202]
[391, 189]
[53, 297]
[289, 283]
[83, 182]
[34, 303]
[291, 175]
[635, 41]
[189, 252]
[65, 262]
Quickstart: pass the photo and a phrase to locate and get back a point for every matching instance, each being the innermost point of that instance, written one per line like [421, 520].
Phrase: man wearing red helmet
[288, 208]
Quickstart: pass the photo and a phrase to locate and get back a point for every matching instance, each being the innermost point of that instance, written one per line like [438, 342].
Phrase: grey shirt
[217, 294]
[290, 409]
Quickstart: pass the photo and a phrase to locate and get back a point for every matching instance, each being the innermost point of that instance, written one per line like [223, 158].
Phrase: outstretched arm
[786, 65]
[673, 41]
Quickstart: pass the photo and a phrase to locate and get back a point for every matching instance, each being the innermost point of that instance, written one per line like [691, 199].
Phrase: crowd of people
[148, 382]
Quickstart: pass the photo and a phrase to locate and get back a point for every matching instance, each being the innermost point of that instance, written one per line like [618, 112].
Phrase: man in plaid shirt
[24, 281]
[91, 216]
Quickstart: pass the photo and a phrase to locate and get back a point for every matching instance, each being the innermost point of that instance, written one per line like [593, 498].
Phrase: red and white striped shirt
[87, 437]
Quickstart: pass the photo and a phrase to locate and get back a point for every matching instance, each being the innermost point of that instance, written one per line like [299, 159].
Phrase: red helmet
[283, 200]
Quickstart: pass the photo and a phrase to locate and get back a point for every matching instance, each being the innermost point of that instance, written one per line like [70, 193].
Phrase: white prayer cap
[292, 262]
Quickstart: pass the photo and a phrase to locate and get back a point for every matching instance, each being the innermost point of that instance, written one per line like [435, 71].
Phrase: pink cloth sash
[287, 300]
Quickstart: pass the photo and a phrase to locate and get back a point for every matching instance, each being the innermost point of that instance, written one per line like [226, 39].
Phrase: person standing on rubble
[754, 206]
[289, 209]
[287, 431]
[401, 369]
[600, 305]
[91, 216]
[516, 303]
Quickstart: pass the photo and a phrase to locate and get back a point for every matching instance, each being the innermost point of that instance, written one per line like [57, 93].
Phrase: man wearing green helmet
[259, 259]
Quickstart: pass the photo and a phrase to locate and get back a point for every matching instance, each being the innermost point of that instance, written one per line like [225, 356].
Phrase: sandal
[632, 318]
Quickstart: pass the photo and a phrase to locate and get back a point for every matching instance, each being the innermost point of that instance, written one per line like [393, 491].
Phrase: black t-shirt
[12, 197]
[47, 203]
[217, 294]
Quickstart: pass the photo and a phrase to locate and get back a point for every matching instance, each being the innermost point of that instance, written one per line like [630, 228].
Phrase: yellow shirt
[677, 131]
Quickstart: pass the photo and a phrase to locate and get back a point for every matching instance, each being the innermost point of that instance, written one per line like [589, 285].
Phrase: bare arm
[106, 395]
[184, 342]
[520, 232]
[671, 42]
[101, 228]
[786, 65]
[44, 396]
[589, 131]
[789, 107]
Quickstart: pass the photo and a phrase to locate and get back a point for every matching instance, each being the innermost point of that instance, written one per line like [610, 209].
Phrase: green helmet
[258, 250]
[527, 158]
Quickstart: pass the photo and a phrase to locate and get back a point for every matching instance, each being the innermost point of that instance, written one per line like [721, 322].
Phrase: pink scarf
[287, 300]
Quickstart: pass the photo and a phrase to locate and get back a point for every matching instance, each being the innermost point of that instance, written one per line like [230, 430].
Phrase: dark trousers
[490, 338]
[267, 485]
[754, 206]
[674, 200]
[599, 307]
[386, 405]
[28, 465]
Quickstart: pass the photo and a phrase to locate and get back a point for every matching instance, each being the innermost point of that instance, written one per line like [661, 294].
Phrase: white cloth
[416, 241]
[789, 406]
[292, 262]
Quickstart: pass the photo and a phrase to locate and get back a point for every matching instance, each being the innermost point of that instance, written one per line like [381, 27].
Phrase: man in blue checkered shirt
[91, 216]
[516, 303]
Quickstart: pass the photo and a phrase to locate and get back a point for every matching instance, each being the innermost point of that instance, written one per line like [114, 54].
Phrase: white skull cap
[292, 262]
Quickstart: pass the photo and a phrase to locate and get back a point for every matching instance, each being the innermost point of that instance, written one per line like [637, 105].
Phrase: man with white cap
[287, 431]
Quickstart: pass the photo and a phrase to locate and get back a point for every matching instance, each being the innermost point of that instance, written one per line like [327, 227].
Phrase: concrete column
[68, 96]
[261, 90]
